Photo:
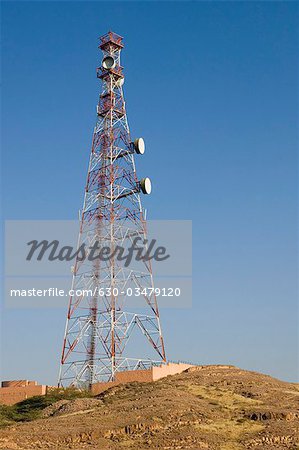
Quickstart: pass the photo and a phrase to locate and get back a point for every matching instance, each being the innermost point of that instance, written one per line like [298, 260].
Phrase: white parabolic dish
[139, 146]
[146, 185]
[108, 62]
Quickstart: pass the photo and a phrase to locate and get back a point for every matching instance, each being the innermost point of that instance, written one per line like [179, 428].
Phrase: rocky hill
[211, 407]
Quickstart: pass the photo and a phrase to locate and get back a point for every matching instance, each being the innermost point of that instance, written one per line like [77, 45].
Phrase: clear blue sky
[212, 87]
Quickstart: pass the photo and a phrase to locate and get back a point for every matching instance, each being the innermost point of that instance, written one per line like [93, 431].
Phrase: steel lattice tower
[98, 326]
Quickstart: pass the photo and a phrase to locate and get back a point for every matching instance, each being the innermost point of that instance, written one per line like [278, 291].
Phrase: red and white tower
[98, 326]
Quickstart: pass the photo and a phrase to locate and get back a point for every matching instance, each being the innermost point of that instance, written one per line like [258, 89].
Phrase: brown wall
[134, 375]
[143, 376]
[98, 388]
[17, 390]
[169, 369]
[123, 377]
[14, 394]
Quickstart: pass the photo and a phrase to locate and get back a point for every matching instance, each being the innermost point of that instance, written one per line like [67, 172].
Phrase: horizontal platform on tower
[104, 73]
[111, 39]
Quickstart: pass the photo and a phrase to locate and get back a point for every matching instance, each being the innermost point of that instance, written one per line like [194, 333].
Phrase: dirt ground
[210, 408]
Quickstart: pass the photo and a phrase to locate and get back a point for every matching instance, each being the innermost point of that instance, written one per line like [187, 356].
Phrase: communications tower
[99, 325]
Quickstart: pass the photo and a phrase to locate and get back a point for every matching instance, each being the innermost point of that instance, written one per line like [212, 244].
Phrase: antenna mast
[99, 325]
